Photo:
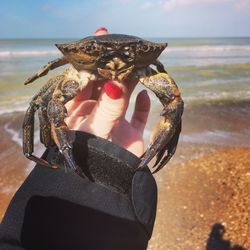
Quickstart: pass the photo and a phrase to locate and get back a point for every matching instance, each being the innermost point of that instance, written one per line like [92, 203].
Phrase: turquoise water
[206, 69]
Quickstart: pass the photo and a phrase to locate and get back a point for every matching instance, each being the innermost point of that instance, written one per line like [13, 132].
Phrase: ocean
[207, 70]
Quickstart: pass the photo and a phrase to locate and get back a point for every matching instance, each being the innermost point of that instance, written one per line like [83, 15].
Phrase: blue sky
[152, 18]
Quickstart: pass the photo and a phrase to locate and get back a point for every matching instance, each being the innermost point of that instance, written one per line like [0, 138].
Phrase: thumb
[110, 107]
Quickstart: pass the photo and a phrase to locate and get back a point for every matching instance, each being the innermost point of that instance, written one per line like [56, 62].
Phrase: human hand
[100, 110]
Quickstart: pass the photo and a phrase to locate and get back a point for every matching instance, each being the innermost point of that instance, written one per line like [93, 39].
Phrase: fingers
[109, 108]
[141, 111]
[79, 114]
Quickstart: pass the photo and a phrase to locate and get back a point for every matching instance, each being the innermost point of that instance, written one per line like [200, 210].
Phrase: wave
[6, 110]
[12, 105]
[28, 53]
[215, 137]
[222, 96]
[209, 96]
[209, 48]
[16, 136]
[218, 137]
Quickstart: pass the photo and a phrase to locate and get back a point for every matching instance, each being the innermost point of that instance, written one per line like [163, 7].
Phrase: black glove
[57, 209]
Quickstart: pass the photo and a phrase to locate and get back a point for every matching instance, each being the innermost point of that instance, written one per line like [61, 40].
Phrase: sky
[145, 18]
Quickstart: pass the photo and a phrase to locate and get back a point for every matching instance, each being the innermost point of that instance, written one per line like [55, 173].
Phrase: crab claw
[68, 155]
[167, 151]
[166, 134]
[163, 146]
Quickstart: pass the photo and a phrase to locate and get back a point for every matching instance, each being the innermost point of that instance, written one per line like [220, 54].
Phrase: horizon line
[170, 37]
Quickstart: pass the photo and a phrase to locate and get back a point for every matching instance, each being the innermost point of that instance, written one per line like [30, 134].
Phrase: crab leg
[39, 101]
[56, 114]
[49, 66]
[166, 134]
[45, 127]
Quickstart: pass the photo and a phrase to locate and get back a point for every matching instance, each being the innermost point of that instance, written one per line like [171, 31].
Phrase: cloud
[243, 5]
[148, 5]
[169, 5]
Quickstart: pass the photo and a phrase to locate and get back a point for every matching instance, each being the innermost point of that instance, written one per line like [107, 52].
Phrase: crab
[114, 57]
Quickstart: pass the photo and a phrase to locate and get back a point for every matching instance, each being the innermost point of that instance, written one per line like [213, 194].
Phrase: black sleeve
[56, 209]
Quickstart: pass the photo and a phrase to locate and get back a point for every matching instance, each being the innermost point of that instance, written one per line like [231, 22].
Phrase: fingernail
[112, 90]
[101, 29]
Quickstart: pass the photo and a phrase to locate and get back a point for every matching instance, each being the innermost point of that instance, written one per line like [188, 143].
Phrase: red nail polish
[101, 29]
[113, 91]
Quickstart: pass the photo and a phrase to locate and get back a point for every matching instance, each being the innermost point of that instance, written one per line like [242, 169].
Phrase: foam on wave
[28, 53]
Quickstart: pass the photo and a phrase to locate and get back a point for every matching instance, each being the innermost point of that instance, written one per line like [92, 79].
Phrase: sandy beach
[13, 163]
[203, 192]
[200, 196]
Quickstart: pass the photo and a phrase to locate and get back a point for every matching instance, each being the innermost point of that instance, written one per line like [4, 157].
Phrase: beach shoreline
[200, 174]
[13, 163]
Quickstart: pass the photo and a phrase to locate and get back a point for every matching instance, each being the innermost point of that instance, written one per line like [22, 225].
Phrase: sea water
[205, 69]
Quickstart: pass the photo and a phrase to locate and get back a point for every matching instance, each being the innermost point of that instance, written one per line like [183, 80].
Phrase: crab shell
[113, 56]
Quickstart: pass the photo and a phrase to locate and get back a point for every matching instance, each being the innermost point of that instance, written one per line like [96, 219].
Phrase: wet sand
[13, 163]
[203, 193]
